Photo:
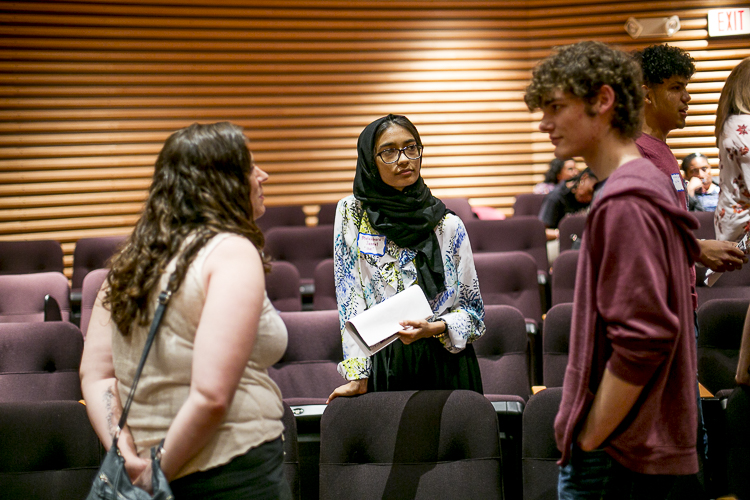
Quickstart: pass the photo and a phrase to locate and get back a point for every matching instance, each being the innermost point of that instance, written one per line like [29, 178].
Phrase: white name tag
[371, 244]
[677, 181]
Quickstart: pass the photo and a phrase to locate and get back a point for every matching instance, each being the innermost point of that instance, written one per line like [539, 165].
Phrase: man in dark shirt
[568, 197]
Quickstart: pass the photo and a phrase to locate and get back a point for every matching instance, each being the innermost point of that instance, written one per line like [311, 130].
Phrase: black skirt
[424, 365]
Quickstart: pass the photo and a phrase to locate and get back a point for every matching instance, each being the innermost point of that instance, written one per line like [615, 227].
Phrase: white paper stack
[377, 327]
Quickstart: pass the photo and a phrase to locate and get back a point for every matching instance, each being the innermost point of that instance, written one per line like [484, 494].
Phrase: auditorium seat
[460, 207]
[90, 254]
[706, 230]
[92, 283]
[564, 271]
[540, 453]
[23, 297]
[306, 374]
[327, 214]
[303, 246]
[291, 453]
[555, 344]
[731, 285]
[528, 204]
[281, 216]
[510, 278]
[40, 361]
[410, 444]
[48, 450]
[36, 256]
[324, 296]
[522, 233]
[720, 323]
[571, 230]
[282, 286]
[503, 354]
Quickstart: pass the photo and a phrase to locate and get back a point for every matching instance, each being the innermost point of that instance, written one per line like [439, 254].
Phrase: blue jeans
[595, 475]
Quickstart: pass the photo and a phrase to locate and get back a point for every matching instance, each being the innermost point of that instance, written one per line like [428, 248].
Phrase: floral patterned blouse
[369, 275]
[732, 215]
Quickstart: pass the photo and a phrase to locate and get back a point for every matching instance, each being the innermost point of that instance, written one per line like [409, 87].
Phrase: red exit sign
[726, 22]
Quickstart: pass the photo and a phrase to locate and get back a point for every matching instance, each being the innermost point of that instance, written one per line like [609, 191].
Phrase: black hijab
[407, 217]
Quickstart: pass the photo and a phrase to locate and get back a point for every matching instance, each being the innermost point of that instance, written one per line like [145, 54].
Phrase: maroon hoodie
[633, 314]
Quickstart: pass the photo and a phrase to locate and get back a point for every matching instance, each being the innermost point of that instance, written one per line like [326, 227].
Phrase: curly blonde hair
[201, 187]
[581, 70]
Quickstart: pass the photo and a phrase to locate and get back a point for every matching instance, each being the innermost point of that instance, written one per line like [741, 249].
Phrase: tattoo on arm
[110, 409]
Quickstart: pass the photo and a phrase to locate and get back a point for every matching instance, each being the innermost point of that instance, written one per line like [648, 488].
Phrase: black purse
[112, 481]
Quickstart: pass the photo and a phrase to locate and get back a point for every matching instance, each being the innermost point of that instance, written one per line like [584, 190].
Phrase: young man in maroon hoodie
[666, 73]
[627, 420]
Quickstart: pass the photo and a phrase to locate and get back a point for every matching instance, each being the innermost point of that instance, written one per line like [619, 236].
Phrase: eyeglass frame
[402, 150]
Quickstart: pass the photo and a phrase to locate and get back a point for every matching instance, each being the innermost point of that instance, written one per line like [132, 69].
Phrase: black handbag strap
[164, 297]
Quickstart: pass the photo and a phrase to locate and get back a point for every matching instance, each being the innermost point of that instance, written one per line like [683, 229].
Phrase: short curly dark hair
[661, 62]
[581, 70]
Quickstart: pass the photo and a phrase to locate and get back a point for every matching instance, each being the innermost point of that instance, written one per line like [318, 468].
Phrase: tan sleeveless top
[254, 416]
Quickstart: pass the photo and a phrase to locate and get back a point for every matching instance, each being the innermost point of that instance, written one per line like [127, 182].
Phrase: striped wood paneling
[90, 89]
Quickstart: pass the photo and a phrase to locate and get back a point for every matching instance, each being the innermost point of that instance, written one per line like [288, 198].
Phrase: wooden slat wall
[556, 22]
[90, 89]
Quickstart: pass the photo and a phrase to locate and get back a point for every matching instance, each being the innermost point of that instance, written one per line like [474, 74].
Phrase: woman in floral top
[392, 234]
[732, 216]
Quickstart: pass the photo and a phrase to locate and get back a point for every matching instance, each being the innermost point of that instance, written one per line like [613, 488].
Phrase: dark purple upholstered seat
[503, 354]
[460, 207]
[720, 323]
[90, 254]
[510, 278]
[40, 361]
[564, 277]
[281, 216]
[528, 204]
[92, 283]
[306, 374]
[282, 286]
[522, 233]
[303, 246]
[47, 450]
[22, 296]
[706, 231]
[555, 344]
[539, 450]
[738, 442]
[291, 452]
[324, 297]
[23, 257]
[327, 214]
[571, 230]
[410, 444]
[731, 285]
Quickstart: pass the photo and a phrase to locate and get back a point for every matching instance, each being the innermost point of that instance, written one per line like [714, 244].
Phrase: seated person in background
[410, 239]
[703, 191]
[559, 170]
[568, 197]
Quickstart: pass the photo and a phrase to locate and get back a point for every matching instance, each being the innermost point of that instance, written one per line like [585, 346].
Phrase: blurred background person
[559, 170]
[702, 189]
[732, 219]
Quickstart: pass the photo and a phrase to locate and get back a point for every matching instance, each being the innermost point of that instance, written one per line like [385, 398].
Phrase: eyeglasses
[412, 152]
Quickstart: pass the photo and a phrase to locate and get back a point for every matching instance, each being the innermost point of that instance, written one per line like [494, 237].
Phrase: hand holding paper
[380, 325]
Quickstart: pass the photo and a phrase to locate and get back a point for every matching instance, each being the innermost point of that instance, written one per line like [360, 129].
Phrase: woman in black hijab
[392, 234]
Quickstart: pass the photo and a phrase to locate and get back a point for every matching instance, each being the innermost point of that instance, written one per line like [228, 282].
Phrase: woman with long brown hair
[205, 389]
